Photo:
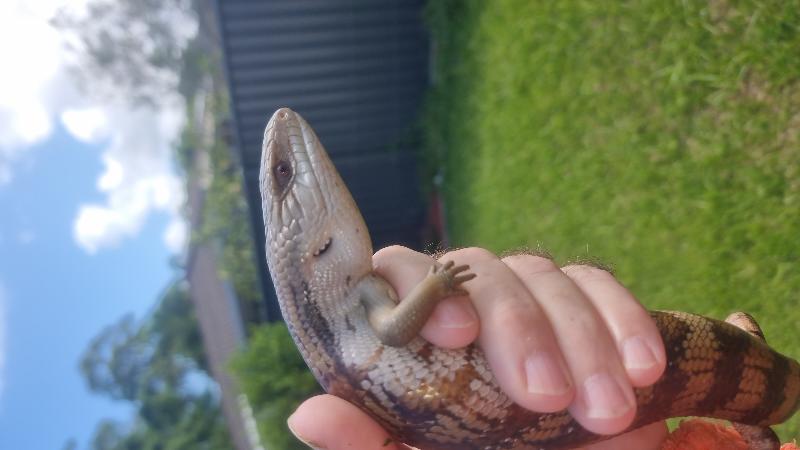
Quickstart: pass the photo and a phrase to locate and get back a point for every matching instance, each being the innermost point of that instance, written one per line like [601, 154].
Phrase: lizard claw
[438, 267]
[463, 278]
[453, 276]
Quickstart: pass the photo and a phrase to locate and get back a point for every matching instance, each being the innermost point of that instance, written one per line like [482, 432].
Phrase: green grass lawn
[661, 137]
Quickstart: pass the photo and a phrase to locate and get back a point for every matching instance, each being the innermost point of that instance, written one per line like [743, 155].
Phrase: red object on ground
[698, 434]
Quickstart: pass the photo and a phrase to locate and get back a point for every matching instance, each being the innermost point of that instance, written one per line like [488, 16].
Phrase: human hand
[555, 338]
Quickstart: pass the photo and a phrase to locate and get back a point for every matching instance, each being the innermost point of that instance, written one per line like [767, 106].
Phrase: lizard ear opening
[324, 247]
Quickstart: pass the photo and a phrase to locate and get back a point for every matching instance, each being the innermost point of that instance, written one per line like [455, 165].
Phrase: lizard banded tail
[343, 318]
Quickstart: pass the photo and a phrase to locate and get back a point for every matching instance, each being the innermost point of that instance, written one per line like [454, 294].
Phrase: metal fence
[357, 71]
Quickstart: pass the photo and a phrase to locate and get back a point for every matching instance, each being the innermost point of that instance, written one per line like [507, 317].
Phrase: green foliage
[226, 222]
[132, 47]
[196, 428]
[174, 327]
[159, 366]
[276, 380]
[143, 52]
[661, 136]
[128, 360]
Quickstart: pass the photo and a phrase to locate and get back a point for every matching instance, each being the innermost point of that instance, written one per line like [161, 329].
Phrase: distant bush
[276, 380]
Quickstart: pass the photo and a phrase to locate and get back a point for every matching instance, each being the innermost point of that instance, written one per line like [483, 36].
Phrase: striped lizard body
[362, 345]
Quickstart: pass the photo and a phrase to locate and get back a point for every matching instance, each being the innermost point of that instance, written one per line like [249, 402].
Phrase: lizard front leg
[395, 324]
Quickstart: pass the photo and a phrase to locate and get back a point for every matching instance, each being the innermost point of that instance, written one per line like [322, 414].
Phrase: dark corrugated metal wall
[357, 71]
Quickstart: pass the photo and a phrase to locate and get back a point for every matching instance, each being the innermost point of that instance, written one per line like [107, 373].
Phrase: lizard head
[314, 231]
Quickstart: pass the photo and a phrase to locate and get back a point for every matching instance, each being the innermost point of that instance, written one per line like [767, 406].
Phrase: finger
[634, 331]
[604, 400]
[515, 335]
[328, 422]
[454, 323]
[648, 437]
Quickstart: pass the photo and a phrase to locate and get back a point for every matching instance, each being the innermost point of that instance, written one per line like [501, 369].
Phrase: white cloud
[36, 90]
[176, 234]
[98, 226]
[87, 124]
[113, 176]
[27, 76]
[138, 177]
[3, 334]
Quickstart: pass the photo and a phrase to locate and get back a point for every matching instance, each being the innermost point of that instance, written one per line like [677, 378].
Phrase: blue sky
[90, 216]
[56, 296]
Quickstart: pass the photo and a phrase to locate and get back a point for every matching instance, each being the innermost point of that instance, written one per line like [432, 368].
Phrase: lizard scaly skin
[363, 348]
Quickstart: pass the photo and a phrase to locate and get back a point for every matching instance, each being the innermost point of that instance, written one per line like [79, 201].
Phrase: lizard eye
[282, 171]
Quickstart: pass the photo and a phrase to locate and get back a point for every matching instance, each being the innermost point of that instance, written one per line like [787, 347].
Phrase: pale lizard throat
[363, 348]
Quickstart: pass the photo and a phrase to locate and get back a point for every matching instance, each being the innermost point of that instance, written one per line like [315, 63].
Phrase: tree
[140, 50]
[109, 365]
[159, 366]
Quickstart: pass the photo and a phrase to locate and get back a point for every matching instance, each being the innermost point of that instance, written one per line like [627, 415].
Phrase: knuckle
[532, 264]
[538, 251]
[392, 251]
[634, 318]
[586, 323]
[509, 309]
[587, 273]
[515, 315]
[630, 319]
[470, 254]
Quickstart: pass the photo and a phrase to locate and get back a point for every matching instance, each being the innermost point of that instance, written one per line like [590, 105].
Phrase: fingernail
[604, 397]
[545, 376]
[300, 438]
[637, 354]
[451, 314]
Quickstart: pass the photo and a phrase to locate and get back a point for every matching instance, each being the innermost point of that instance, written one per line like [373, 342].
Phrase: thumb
[326, 422]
